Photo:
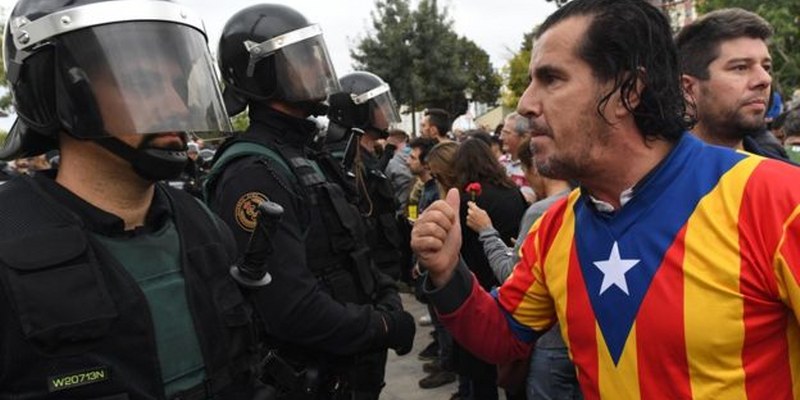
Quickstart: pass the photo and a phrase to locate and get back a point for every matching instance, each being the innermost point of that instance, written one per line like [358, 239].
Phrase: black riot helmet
[271, 52]
[99, 69]
[365, 103]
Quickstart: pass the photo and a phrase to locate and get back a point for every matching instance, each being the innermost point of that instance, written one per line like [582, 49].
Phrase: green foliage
[5, 99]
[240, 121]
[481, 78]
[517, 78]
[424, 61]
[515, 72]
[784, 15]
[527, 40]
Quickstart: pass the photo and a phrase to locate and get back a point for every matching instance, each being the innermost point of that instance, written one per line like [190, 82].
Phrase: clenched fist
[436, 238]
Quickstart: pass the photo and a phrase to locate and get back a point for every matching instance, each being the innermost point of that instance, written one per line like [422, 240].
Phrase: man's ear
[690, 87]
[634, 96]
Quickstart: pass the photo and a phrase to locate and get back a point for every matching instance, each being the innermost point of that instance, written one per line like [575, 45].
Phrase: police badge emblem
[246, 210]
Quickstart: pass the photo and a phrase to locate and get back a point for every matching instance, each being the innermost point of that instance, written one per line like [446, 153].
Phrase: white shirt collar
[603, 206]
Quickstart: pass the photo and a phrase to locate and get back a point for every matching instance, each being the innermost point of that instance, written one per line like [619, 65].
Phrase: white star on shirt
[614, 270]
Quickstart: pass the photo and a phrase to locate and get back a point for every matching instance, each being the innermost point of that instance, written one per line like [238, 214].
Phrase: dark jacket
[303, 306]
[75, 325]
[505, 207]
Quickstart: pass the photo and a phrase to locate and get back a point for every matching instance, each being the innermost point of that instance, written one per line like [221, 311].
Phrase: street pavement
[403, 373]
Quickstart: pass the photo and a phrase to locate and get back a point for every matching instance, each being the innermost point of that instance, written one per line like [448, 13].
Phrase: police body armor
[335, 242]
[336, 253]
[379, 206]
[72, 318]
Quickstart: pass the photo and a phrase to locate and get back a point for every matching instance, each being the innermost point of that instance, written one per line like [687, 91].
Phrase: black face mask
[149, 162]
[160, 163]
[312, 107]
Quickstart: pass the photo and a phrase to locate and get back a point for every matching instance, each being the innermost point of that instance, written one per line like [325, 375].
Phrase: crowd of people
[664, 272]
[630, 231]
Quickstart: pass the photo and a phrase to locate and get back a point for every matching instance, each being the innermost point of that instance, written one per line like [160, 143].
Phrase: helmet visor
[139, 77]
[383, 113]
[304, 71]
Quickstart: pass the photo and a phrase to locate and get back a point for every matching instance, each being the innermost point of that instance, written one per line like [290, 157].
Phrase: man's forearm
[500, 256]
[476, 320]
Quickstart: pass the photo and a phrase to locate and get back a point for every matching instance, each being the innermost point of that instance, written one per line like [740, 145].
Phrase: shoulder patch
[247, 208]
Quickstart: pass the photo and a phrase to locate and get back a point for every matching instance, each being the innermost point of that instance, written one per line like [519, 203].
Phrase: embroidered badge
[247, 209]
[80, 378]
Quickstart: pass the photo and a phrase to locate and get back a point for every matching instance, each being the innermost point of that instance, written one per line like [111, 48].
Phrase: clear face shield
[303, 70]
[382, 110]
[129, 67]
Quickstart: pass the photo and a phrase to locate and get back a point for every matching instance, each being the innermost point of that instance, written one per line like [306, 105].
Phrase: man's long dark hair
[630, 41]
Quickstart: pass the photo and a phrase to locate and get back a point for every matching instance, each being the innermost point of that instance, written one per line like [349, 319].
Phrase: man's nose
[529, 105]
[168, 111]
[174, 102]
[762, 77]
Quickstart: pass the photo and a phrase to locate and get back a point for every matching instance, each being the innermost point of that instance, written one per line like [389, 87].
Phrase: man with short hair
[726, 69]
[113, 285]
[673, 271]
[428, 193]
[435, 124]
[515, 130]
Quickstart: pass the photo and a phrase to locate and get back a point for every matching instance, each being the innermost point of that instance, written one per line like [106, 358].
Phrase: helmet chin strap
[314, 108]
[150, 163]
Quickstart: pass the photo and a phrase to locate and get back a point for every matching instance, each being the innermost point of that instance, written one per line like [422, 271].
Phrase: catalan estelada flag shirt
[689, 291]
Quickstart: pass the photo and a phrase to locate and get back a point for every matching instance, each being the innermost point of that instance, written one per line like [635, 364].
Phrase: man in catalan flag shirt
[673, 268]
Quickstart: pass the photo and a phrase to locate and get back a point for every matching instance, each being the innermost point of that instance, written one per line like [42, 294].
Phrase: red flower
[474, 189]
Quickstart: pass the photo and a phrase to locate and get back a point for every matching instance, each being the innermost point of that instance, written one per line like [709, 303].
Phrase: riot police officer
[113, 286]
[329, 314]
[362, 113]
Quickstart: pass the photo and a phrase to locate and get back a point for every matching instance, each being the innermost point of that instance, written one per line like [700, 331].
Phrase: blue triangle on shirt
[644, 229]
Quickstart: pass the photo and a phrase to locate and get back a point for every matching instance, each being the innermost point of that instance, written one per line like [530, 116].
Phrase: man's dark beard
[751, 130]
[735, 127]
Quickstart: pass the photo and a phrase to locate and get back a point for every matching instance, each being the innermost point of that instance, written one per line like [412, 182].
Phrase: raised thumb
[453, 200]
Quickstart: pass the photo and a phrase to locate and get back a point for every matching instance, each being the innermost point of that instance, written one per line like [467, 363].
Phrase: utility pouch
[300, 385]
[39, 282]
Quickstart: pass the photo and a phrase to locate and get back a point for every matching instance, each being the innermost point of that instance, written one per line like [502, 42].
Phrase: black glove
[400, 330]
[389, 301]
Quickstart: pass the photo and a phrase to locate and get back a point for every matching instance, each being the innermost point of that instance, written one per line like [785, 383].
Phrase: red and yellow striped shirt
[689, 291]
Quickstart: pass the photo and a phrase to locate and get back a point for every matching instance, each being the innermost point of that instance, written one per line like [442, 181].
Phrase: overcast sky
[496, 26]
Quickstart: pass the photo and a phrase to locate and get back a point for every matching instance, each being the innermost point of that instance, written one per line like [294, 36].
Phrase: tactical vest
[336, 249]
[378, 207]
[75, 325]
